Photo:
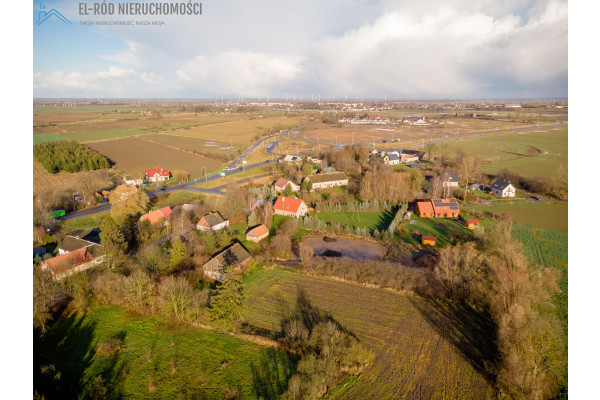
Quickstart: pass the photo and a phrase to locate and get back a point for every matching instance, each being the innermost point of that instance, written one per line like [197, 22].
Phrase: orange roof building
[445, 208]
[428, 240]
[257, 234]
[157, 216]
[290, 207]
[424, 209]
[472, 223]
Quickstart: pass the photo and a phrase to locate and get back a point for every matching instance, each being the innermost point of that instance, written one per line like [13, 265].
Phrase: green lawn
[84, 222]
[90, 136]
[180, 197]
[160, 359]
[554, 216]
[47, 137]
[442, 229]
[371, 220]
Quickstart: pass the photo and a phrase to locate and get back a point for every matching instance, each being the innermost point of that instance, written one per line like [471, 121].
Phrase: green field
[554, 216]
[510, 150]
[91, 136]
[160, 359]
[84, 222]
[47, 137]
[371, 220]
[420, 347]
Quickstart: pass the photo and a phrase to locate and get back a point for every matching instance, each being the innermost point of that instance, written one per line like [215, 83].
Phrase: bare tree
[176, 295]
[469, 169]
[138, 289]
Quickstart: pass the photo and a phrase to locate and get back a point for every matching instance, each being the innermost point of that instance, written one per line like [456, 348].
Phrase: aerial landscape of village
[398, 242]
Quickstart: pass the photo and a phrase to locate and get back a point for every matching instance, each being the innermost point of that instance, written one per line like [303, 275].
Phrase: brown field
[134, 155]
[65, 181]
[287, 146]
[241, 132]
[370, 133]
[422, 349]
[190, 143]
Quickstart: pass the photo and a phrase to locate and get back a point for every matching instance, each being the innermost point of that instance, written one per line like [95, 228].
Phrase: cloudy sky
[448, 49]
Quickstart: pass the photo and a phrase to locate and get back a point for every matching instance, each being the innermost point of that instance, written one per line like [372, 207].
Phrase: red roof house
[157, 175]
[472, 223]
[68, 263]
[445, 208]
[157, 216]
[290, 207]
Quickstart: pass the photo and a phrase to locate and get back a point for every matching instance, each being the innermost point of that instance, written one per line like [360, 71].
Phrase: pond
[353, 248]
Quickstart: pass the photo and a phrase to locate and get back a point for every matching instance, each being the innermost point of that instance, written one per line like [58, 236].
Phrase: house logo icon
[44, 15]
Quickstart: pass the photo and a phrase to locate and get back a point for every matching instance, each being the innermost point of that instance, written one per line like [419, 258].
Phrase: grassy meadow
[159, 359]
[510, 150]
[371, 220]
[47, 137]
[546, 215]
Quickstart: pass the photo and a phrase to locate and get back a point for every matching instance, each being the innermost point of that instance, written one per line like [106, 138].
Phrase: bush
[110, 346]
[68, 156]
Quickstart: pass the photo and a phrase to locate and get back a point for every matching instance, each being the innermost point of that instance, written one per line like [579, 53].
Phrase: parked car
[536, 198]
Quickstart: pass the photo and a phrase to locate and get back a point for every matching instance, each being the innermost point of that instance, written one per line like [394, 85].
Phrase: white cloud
[394, 48]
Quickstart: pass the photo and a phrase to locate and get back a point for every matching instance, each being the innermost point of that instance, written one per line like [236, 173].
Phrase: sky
[336, 49]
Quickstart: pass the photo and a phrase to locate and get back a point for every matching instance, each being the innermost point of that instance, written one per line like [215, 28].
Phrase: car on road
[162, 188]
[536, 198]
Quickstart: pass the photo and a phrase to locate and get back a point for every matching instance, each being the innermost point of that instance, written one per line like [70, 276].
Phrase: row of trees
[68, 156]
[497, 277]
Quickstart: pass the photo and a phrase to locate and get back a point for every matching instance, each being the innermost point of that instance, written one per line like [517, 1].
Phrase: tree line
[68, 156]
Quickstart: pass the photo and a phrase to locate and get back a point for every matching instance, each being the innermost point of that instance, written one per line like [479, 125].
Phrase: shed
[428, 240]
[472, 223]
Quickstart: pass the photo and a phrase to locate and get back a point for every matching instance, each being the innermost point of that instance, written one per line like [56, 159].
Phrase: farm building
[154, 217]
[282, 183]
[415, 165]
[290, 207]
[323, 181]
[472, 223]
[130, 180]
[157, 175]
[424, 209]
[449, 178]
[257, 233]
[212, 222]
[70, 263]
[503, 188]
[231, 256]
[391, 159]
[428, 240]
[78, 240]
[409, 158]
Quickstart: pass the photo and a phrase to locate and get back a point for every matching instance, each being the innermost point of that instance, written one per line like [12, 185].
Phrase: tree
[125, 205]
[226, 303]
[469, 169]
[138, 288]
[306, 185]
[181, 225]
[180, 176]
[281, 245]
[253, 218]
[429, 148]
[113, 242]
[307, 169]
[46, 295]
[562, 176]
[176, 296]
[266, 214]
[178, 253]
[458, 269]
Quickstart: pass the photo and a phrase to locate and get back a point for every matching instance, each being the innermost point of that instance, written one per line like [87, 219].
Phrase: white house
[212, 222]
[157, 175]
[391, 159]
[323, 181]
[503, 188]
[290, 207]
[130, 180]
